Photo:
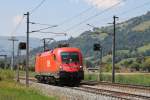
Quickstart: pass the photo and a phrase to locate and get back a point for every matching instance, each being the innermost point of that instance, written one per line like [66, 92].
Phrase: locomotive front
[71, 66]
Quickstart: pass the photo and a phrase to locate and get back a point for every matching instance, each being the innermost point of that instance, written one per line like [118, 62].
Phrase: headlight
[61, 68]
[81, 66]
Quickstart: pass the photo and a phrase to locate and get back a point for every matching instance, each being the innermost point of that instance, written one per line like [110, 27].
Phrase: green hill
[131, 39]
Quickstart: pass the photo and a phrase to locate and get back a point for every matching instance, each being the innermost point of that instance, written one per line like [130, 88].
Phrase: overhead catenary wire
[43, 29]
[32, 11]
[91, 17]
[129, 10]
[18, 25]
[75, 16]
[37, 7]
[56, 33]
[133, 9]
[42, 24]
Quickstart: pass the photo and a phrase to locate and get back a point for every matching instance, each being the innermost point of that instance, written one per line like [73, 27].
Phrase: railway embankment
[67, 93]
[87, 92]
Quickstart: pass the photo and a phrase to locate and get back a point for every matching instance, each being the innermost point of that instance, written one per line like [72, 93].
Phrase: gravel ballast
[66, 93]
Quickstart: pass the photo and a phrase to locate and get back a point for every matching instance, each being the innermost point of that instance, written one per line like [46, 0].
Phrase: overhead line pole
[27, 51]
[13, 53]
[113, 48]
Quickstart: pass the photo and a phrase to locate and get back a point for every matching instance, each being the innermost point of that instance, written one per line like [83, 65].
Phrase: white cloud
[17, 19]
[103, 3]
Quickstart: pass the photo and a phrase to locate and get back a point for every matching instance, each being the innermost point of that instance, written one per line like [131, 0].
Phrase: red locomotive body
[60, 65]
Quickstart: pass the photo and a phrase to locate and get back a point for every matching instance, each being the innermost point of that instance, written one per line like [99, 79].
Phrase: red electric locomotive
[61, 65]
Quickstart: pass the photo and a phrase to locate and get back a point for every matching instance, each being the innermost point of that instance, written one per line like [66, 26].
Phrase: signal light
[22, 45]
[97, 47]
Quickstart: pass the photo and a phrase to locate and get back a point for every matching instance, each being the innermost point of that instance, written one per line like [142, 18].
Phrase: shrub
[135, 66]
[6, 74]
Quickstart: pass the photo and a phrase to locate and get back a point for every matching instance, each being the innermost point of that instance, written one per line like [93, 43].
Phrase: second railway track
[132, 89]
[111, 93]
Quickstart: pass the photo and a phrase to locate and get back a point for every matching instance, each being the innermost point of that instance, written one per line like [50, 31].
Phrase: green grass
[122, 51]
[144, 48]
[143, 79]
[6, 74]
[127, 59]
[126, 78]
[90, 76]
[142, 26]
[31, 74]
[9, 90]
[106, 58]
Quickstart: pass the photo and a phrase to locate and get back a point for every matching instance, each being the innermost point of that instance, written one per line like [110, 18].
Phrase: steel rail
[113, 94]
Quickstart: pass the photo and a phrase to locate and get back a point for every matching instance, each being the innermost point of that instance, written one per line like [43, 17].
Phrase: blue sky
[54, 12]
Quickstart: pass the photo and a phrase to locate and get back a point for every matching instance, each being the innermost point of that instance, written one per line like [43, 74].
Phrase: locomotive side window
[70, 57]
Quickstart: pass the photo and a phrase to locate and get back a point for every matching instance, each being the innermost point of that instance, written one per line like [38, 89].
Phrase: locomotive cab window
[70, 57]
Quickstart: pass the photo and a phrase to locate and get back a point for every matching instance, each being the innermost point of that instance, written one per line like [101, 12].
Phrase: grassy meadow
[125, 78]
[10, 90]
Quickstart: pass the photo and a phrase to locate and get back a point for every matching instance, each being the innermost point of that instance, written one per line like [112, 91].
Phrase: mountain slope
[130, 35]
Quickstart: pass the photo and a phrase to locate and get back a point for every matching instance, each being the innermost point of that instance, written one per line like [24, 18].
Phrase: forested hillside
[131, 36]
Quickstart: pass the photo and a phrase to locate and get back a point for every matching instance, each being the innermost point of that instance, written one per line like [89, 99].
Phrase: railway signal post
[21, 46]
[98, 47]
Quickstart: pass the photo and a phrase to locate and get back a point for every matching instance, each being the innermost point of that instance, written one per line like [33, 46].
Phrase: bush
[135, 66]
[146, 65]
[6, 74]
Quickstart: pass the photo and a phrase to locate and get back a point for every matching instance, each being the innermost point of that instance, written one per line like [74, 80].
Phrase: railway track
[127, 85]
[30, 79]
[126, 88]
[110, 93]
[116, 85]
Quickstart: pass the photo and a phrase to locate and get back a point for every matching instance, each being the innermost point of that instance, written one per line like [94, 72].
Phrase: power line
[75, 16]
[105, 10]
[137, 7]
[72, 18]
[18, 25]
[65, 34]
[129, 10]
[37, 7]
[41, 24]
[32, 11]
[43, 29]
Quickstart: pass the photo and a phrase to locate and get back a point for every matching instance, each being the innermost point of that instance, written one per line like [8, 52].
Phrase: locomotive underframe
[62, 77]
